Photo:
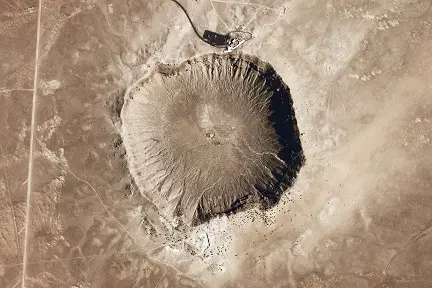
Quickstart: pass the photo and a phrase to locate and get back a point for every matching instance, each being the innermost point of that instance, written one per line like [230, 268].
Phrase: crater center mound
[212, 135]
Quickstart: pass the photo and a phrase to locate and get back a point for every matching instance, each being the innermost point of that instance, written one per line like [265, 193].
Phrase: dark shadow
[285, 124]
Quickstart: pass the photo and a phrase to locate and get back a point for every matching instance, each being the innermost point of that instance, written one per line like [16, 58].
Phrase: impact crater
[214, 134]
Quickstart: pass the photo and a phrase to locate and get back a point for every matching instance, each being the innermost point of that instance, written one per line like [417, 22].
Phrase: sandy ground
[359, 214]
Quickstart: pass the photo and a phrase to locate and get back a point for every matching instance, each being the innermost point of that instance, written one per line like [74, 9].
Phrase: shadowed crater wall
[214, 134]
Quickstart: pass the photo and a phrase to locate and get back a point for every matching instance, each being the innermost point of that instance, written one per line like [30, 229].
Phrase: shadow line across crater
[282, 117]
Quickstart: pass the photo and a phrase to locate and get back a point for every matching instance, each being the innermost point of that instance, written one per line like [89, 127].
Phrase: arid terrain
[359, 213]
